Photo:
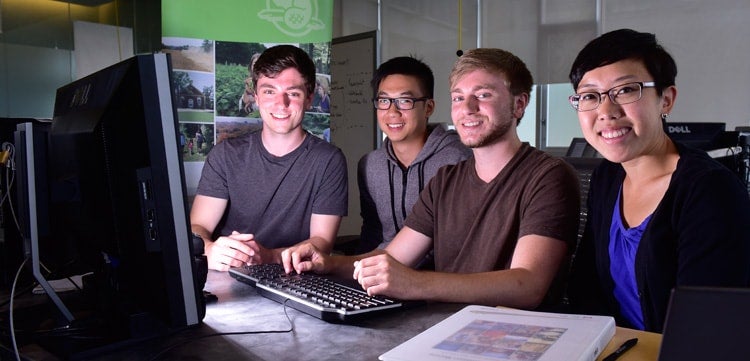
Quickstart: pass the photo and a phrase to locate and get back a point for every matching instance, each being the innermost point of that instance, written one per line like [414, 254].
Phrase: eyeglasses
[401, 103]
[621, 94]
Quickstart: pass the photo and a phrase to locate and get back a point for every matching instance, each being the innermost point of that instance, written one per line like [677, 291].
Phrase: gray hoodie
[387, 191]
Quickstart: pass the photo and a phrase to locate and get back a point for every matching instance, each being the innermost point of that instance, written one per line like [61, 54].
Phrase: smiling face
[282, 101]
[403, 125]
[623, 132]
[484, 111]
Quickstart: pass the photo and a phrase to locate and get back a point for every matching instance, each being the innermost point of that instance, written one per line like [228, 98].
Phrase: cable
[11, 308]
[117, 29]
[10, 166]
[10, 311]
[10, 177]
[6, 154]
[169, 348]
[460, 52]
[50, 274]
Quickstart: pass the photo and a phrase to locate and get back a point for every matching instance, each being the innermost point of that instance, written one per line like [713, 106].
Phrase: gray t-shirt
[274, 197]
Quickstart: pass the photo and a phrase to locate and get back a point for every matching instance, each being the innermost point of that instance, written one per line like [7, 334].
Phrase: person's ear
[668, 97]
[429, 105]
[520, 102]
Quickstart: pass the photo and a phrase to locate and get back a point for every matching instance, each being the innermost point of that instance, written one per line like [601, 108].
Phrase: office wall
[427, 29]
[37, 46]
[707, 38]
[709, 41]
[24, 96]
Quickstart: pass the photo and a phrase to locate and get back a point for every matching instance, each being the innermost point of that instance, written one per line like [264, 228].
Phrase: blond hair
[496, 61]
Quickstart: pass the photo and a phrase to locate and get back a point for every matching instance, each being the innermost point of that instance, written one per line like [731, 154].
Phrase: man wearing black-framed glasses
[390, 178]
[402, 103]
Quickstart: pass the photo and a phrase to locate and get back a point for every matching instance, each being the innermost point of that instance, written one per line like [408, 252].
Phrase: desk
[240, 308]
[647, 347]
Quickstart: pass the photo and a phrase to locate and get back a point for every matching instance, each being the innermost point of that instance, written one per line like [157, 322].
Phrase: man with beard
[501, 223]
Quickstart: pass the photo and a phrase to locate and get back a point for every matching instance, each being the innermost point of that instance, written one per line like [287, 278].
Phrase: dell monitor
[705, 136]
[116, 195]
[724, 146]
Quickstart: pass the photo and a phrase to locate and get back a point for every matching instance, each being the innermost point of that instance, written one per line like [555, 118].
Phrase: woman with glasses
[660, 214]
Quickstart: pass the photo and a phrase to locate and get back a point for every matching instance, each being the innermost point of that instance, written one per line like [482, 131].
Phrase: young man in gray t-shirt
[275, 188]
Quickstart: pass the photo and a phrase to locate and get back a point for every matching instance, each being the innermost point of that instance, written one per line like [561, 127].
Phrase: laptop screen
[707, 323]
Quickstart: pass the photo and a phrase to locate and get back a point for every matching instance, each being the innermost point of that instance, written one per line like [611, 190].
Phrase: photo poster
[212, 44]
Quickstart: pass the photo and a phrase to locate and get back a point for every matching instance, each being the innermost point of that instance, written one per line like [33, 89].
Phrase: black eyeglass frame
[396, 101]
[575, 98]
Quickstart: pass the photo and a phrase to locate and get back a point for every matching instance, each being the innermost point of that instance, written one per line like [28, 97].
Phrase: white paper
[63, 285]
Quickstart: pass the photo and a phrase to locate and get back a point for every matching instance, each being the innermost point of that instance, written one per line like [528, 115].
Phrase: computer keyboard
[328, 299]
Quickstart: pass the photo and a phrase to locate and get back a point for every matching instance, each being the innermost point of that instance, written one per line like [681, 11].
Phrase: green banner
[212, 45]
[267, 21]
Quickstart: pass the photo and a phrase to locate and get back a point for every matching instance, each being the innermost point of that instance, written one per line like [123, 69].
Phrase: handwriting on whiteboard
[351, 101]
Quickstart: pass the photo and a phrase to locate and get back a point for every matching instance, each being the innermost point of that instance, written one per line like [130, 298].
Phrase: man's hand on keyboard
[229, 251]
[304, 257]
[237, 250]
[383, 275]
[260, 254]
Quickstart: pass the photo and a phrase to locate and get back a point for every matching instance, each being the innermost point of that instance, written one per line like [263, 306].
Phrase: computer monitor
[117, 196]
[706, 136]
[31, 158]
[12, 253]
[580, 148]
[743, 140]
[724, 146]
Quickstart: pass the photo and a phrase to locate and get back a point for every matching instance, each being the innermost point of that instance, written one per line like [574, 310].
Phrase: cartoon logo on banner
[292, 17]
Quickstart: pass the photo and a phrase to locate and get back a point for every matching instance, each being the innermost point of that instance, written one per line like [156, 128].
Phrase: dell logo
[80, 96]
[679, 129]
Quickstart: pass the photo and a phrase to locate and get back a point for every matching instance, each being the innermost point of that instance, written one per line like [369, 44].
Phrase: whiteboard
[353, 123]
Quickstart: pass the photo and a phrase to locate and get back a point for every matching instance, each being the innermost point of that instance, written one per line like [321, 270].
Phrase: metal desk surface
[241, 309]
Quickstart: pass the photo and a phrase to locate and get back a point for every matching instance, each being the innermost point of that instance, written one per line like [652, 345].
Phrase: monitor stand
[36, 270]
[28, 134]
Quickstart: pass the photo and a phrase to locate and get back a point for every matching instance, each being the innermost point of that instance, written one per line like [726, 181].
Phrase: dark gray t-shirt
[274, 197]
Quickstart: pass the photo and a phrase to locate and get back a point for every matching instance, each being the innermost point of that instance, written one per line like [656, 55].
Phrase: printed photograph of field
[190, 54]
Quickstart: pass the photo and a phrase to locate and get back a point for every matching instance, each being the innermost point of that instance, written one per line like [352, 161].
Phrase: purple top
[623, 245]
